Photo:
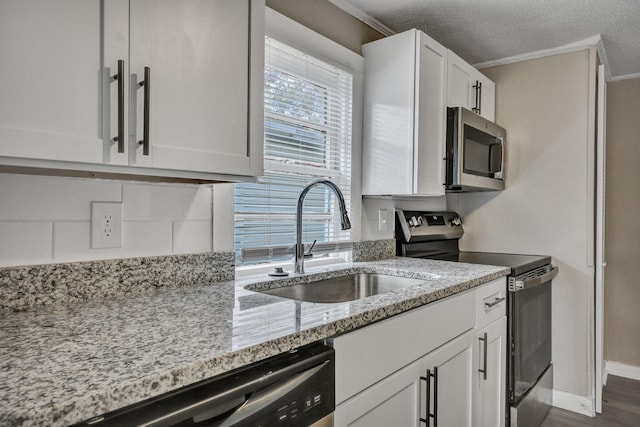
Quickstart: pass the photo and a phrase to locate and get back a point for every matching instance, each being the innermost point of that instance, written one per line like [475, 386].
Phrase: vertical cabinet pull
[426, 379]
[478, 98]
[431, 374]
[120, 78]
[146, 84]
[483, 371]
[435, 396]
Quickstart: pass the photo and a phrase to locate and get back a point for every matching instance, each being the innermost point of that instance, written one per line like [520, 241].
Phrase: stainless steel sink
[343, 288]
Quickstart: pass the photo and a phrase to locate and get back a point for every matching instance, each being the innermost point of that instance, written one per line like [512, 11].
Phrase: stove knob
[456, 221]
[413, 222]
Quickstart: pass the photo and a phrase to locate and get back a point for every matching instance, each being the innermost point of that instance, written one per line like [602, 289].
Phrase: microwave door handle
[495, 166]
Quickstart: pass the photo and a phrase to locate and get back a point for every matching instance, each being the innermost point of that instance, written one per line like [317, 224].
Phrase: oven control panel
[414, 226]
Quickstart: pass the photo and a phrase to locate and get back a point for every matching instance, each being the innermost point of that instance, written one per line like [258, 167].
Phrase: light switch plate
[106, 225]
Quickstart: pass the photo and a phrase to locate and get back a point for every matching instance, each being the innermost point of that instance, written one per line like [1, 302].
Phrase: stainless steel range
[435, 235]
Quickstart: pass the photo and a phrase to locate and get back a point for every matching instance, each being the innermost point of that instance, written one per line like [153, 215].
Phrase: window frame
[302, 38]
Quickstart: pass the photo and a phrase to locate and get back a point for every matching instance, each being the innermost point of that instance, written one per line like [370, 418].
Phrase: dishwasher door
[291, 389]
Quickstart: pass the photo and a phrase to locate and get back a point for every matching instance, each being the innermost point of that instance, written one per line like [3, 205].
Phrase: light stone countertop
[63, 364]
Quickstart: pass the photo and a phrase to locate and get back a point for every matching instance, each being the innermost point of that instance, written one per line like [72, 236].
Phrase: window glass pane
[307, 137]
[293, 97]
[294, 142]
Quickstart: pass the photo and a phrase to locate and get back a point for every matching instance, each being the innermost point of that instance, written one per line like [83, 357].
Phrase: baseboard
[574, 403]
[622, 370]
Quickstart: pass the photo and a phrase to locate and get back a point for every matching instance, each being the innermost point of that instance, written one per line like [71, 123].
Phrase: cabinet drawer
[370, 354]
[491, 302]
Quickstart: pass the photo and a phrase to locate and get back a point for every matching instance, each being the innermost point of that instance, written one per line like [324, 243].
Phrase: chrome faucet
[344, 219]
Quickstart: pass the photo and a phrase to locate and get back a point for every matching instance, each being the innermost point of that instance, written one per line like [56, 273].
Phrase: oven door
[529, 329]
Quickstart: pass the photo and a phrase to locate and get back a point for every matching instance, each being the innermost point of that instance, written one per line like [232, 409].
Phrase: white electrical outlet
[106, 225]
[383, 218]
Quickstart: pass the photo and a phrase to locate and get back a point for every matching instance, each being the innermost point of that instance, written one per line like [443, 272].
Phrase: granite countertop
[64, 364]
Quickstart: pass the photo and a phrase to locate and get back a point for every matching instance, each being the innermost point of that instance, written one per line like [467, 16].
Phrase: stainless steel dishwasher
[291, 389]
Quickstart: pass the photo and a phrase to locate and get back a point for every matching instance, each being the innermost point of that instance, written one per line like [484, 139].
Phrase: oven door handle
[519, 285]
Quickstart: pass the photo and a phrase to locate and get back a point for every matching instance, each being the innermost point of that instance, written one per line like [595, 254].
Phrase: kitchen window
[308, 135]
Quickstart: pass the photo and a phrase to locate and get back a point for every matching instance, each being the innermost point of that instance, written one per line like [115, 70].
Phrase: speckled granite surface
[62, 364]
[374, 250]
[40, 285]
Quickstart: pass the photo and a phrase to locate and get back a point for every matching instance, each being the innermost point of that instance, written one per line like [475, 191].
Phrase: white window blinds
[308, 110]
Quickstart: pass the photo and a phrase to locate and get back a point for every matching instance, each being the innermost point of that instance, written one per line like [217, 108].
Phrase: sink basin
[343, 288]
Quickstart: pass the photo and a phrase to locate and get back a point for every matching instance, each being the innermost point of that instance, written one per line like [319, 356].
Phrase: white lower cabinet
[423, 367]
[395, 401]
[402, 400]
[451, 383]
[490, 387]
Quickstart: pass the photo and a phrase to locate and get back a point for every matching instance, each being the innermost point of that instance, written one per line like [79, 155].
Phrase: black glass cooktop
[518, 263]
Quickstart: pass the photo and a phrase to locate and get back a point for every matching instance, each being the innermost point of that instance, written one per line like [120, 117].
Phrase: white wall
[546, 106]
[47, 219]
[622, 293]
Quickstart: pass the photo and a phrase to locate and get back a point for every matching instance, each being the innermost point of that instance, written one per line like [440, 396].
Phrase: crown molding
[363, 16]
[590, 42]
[625, 77]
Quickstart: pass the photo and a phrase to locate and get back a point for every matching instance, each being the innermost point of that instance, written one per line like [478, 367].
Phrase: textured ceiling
[488, 30]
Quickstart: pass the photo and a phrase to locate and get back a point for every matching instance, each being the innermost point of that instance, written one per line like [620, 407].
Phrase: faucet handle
[309, 254]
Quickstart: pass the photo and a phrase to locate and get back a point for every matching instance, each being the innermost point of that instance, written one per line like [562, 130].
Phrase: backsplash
[374, 250]
[48, 219]
[39, 285]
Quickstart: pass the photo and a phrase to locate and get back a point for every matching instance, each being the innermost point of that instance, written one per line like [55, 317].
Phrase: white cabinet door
[200, 84]
[469, 88]
[490, 387]
[401, 400]
[487, 96]
[451, 383]
[368, 355]
[395, 401]
[50, 80]
[430, 117]
[459, 82]
[404, 115]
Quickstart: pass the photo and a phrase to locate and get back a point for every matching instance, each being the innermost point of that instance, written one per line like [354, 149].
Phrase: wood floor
[620, 408]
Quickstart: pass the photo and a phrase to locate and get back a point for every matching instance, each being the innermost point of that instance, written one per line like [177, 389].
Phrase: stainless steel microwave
[475, 152]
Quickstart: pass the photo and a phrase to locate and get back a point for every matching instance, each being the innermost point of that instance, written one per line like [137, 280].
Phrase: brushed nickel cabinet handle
[494, 302]
[484, 370]
[431, 374]
[120, 78]
[146, 84]
[426, 379]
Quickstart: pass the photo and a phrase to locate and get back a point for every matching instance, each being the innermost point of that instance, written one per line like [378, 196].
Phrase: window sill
[252, 270]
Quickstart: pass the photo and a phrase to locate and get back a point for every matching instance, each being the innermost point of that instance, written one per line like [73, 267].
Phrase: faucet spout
[345, 223]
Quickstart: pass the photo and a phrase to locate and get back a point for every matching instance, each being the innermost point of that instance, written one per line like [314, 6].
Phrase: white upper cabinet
[50, 80]
[410, 79]
[469, 88]
[196, 53]
[162, 88]
[404, 115]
